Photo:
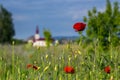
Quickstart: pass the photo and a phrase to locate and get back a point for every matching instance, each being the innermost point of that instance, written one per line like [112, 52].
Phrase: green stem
[13, 64]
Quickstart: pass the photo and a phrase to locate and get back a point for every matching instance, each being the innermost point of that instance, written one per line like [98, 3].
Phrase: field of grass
[48, 63]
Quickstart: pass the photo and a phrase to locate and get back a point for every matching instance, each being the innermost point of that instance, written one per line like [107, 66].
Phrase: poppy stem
[81, 36]
[69, 77]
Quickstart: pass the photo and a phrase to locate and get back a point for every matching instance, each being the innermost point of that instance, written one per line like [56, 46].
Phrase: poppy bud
[107, 69]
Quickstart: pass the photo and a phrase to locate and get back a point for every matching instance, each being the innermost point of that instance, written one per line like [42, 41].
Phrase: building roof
[42, 39]
[37, 30]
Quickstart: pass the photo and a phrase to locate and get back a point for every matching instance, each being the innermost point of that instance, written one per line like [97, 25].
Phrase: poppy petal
[69, 69]
[29, 66]
[107, 69]
[79, 26]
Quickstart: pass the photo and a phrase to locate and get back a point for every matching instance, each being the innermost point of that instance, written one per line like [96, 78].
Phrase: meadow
[24, 62]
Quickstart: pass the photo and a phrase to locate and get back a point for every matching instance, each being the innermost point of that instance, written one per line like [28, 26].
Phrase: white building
[36, 40]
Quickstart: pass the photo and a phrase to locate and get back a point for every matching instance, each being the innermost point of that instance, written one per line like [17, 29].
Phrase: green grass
[88, 62]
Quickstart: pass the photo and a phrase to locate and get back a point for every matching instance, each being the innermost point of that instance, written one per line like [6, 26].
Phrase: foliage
[48, 37]
[104, 26]
[18, 41]
[6, 25]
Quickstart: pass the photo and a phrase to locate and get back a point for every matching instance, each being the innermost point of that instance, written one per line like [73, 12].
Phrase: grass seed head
[45, 68]
[46, 56]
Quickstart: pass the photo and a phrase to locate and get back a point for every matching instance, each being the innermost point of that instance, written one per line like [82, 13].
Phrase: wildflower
[79, 26]
[69, 69]
[107, 69]
[29, 66]
[35, 67]
[32, 66]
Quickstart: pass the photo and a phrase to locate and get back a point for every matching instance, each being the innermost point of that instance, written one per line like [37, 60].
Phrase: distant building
[36, 40]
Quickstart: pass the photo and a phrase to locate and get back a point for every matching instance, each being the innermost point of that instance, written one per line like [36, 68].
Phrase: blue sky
[56, 15]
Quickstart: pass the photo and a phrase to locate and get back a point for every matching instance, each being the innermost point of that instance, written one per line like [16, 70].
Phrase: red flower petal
[107, 69]
[35, 67]
[29, 65]
[79, 26]
[69, 69]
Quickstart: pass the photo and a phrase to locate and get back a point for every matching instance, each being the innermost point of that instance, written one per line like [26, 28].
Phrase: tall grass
[88, 62]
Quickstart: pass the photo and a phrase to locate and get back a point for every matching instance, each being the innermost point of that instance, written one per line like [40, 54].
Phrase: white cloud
[77, 14]
[101, 9]
[25, 17]
[20, 17]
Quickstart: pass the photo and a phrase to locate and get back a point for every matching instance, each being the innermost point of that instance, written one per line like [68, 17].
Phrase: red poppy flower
[69, 69]
[35, 67]
[79, 26]
[107, 69]
[29, 65]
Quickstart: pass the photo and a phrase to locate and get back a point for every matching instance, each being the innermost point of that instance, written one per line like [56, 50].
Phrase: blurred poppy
[29, 65]
[107, 69]
[79, 26]
[69, 69]
[32, 66]
[35, 67]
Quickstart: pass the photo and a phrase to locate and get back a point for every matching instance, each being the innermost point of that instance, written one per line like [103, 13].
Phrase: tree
[104, 26]
[48, 37]
[6, 25]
